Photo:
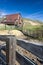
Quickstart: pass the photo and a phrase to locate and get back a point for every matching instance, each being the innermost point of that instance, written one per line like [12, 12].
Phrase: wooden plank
[35, 49]
[23, 60]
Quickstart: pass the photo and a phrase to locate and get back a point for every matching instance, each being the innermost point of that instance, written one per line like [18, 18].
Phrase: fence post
[10, 50]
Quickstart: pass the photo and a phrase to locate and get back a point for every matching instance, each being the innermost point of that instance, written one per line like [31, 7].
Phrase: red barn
[12, 19]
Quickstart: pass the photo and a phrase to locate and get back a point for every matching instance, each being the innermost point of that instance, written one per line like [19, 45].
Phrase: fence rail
[35, 49]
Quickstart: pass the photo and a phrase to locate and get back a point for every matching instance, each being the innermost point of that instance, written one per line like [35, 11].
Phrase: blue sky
[32, 9]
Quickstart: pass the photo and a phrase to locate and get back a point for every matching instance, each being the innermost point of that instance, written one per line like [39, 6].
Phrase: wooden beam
[10, 52]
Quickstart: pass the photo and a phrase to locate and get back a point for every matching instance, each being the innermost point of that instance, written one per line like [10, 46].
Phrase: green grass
[7, 27]
[30, 27]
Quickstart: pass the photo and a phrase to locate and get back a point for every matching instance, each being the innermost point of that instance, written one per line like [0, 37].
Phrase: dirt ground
[17, 33]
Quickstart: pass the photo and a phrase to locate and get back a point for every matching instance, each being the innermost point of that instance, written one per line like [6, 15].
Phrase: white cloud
[2, 13]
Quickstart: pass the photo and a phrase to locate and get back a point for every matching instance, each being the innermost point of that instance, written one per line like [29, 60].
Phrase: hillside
[33, 28]
[32, 22]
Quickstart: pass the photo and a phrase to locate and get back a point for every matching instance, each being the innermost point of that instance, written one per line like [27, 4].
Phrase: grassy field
[32, 28]
[7, 27]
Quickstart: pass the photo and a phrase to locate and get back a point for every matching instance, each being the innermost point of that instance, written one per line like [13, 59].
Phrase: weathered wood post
[10, 50]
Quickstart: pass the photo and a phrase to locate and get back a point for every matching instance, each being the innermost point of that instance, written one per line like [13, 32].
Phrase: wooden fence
[12, 55]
